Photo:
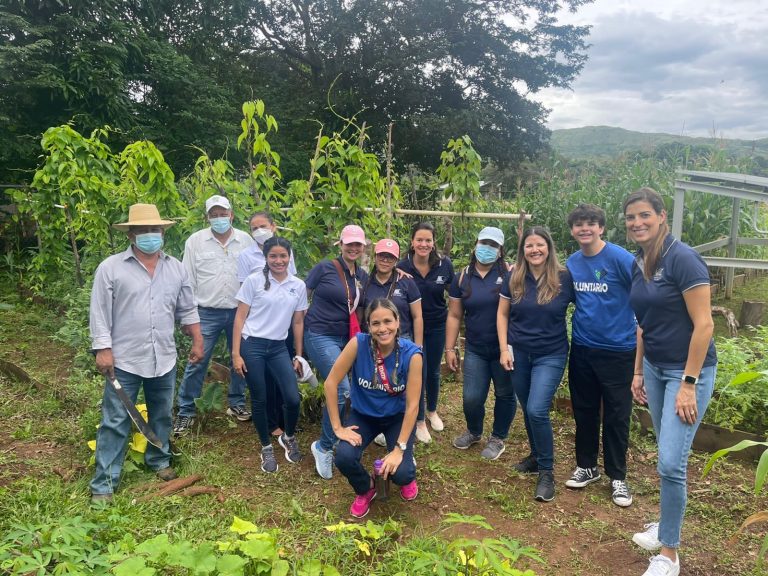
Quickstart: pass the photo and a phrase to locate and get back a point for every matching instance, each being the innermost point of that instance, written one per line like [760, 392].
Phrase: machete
[135, 415]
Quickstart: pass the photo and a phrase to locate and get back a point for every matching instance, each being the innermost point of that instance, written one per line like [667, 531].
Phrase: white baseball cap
[217, 200]
[491, 233]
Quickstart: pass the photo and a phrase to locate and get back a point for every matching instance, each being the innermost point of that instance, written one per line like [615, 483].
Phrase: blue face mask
[220, 225]
[150, 242]
[486, 254]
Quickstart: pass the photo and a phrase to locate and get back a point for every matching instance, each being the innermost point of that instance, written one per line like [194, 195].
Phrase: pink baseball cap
[352, 233]
[387, 246]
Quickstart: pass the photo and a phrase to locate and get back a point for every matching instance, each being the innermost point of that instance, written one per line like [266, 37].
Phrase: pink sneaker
[409, 491]
[362, 503]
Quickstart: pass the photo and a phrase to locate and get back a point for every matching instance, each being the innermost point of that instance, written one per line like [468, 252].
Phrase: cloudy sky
[692, 67]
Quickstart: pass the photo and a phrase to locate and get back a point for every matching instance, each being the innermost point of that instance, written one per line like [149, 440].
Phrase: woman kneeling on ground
[270, 302]
[385, 392]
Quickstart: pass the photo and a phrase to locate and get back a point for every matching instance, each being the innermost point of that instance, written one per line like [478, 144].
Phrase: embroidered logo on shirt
[499, 280]
[439, 280]
[600, 274]
[659, 274]
[397, 292]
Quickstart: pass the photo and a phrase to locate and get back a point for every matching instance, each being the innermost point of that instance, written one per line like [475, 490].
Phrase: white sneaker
[380, 440]
[422, 433]
[663, 566]
[435, 421]
[648, 540]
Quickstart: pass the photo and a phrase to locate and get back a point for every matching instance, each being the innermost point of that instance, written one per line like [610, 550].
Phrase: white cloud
[692, 67]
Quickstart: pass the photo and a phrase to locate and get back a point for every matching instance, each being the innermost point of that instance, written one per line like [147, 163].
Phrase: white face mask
[261, 235]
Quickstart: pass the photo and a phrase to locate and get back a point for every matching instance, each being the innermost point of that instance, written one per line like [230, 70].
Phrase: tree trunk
[751, 313]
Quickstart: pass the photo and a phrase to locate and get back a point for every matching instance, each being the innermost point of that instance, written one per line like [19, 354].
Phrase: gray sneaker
[323, 461]
[183, 425]
[291, 447]
[493, 448]
[268, 462]
[466, 440]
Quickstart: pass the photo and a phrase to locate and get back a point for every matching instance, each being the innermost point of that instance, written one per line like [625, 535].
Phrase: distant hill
[607, 141]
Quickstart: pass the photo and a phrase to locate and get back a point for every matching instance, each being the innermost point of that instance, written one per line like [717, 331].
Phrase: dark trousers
[264, 357]
[595, 377]
[348, 457]
[275, 418]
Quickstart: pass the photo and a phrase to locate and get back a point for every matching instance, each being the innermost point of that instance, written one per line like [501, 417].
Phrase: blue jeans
[115, 428]
[536, 378]
[479, 368]
[434, 346]
[263, 357]
[323, 352]
[674, 438]
[348, 457]
[212, 322]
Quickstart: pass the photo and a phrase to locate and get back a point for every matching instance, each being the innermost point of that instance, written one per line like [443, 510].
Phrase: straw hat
[143, 215]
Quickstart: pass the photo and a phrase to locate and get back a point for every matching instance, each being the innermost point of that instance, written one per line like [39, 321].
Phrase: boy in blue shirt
[602, 356]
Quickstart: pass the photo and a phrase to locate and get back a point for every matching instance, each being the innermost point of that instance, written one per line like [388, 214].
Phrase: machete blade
[135, 415]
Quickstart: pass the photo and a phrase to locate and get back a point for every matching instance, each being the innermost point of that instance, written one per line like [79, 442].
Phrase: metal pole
[677, 213]
[733, 241]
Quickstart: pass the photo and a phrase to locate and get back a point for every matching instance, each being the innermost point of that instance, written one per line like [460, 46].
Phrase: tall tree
[437, 68]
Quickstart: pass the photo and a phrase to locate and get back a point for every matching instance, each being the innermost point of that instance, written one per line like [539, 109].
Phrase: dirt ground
[580, 532]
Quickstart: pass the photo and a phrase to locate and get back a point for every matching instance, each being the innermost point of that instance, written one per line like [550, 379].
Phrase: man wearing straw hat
[136, 298]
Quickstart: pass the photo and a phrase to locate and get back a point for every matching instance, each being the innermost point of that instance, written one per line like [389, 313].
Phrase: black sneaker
[528, 465]
[239, 412]
[545, 486]
[582, 477]
[620, 493]
[183, 425]
[268, 462]
[291, 447]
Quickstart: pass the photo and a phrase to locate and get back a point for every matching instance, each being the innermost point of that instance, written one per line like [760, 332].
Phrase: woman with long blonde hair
[533, 339]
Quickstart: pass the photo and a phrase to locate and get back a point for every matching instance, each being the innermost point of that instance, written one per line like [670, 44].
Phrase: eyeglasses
[386, 257]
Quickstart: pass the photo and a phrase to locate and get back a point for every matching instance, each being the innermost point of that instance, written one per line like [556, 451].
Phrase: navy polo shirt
[480, 298]
[373, 400]
[539, 328]
[328, 313]
[404, 293]
[660, 308]
[432, 289]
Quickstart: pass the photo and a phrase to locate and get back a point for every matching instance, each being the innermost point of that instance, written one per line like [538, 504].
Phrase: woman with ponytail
[675, 363]
[270, 301]
[385, 392]
[474, 296]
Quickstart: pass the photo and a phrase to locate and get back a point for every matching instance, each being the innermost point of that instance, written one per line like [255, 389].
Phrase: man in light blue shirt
[210, 258]
[138, 295]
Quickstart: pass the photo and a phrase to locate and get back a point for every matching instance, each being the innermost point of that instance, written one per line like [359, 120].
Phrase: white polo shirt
[212, 266]
[271, 310]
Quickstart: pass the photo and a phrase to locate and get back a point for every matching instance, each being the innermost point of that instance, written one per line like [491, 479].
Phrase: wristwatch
[690, 379]
[403, 446]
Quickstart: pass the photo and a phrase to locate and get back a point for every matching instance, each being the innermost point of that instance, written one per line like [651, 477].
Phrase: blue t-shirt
[480, 298]
[328, 313]
[376, 401]
[539, 328]
[432, 289]
[660, 308]
[603, 317]
[404, 293]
